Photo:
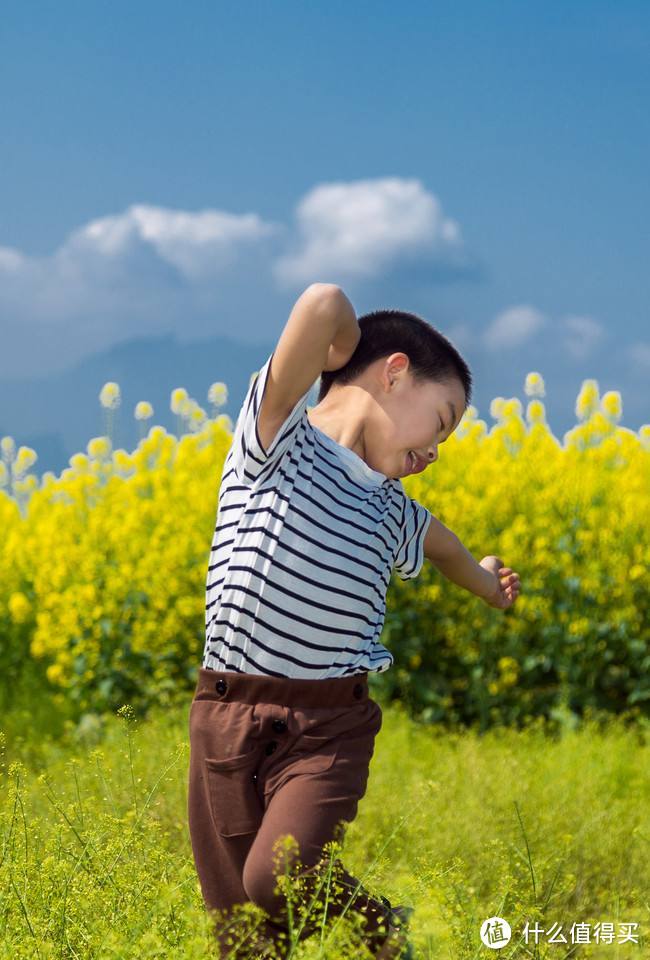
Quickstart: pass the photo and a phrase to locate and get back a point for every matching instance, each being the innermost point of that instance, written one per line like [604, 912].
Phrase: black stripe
[377, 519]
[285, 655]
[292, 615]
[295, 414]
[406, 549]
[414, 542]
[322, 566]
[420, 536]
[350, 669]
[300, 643]
[319, 584]
[329, 457]
[289, 610]
[359, 562]
[267, 465]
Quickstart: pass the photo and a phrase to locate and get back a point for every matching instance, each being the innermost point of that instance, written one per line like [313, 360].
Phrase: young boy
[312, 519]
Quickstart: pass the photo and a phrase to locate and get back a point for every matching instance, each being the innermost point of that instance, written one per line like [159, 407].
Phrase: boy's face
[408, 418]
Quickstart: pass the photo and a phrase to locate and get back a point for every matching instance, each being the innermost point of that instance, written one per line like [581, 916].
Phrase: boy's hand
[507, 584]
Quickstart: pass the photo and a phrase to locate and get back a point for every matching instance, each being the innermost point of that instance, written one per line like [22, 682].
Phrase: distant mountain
[58, 415]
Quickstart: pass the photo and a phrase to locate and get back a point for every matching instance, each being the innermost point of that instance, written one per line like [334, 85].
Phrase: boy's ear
[302, 349]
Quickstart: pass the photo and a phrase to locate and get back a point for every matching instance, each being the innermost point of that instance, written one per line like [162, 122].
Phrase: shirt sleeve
[410, 551]
[249, 458]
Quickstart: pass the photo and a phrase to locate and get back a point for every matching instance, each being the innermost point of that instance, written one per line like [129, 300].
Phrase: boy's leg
[270, 757]
[223, 806]
[311, 795]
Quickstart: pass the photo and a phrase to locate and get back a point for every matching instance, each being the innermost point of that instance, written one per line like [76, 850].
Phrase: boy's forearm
[461, 568]
[348, 332]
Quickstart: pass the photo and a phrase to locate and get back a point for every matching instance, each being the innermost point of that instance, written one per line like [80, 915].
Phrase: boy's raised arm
[320, 326]
[321, 316]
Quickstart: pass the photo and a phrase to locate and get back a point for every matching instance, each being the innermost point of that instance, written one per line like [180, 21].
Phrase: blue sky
[193, 167]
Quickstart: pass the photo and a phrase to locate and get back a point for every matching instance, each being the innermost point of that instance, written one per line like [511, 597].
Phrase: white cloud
[196, 244]
[144, 271]
[151, 270]
[584, 333]
[513, 326]
[11, 259]
[357, 229]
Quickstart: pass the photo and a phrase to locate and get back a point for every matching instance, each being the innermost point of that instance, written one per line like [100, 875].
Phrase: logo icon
[495, 932]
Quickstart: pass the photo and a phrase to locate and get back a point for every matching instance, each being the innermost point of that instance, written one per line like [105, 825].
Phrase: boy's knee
[259, 883]
[270, 885]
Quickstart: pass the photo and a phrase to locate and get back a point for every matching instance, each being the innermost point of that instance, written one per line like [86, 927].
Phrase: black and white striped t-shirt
[306, 538]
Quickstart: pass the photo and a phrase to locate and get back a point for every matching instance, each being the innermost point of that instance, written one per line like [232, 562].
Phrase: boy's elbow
[317, 287]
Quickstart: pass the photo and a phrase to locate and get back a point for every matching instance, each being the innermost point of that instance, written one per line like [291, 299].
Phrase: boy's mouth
[414, 464]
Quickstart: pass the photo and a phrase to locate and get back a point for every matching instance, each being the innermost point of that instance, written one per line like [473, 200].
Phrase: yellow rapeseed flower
[25, 458]
[579, 626]
[143, 410]
[218, 394]
[225, 422]
[122, 459]
[79, 461]
[587, 400]
[8, 448]
[534, 385]
[611, 404]
[509, 678]
[597, 426]
[511, 408]
[186, 406]
[496, 407]
[109, 395]
[508, 663]
[197, 417]
[644, 435]
[19, 607]
[535, 411]
[55, 673]
[179, 395]
[99, 447]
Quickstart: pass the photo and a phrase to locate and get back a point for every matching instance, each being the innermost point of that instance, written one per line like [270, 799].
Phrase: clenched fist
[507, 584]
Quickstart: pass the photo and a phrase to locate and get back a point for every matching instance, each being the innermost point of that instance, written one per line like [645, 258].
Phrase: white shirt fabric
[306, 538]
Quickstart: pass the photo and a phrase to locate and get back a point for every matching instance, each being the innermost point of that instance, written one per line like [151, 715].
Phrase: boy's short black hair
[431, 355]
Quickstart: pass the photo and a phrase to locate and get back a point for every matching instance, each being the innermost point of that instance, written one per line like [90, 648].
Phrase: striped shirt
[306, 538]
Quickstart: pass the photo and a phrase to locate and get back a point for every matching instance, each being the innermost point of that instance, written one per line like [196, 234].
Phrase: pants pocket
[235, 807]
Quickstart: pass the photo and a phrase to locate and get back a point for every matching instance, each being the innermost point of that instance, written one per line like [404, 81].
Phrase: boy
[312, 520]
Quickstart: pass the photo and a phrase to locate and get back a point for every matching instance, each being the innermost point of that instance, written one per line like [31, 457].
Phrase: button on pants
[272, 756]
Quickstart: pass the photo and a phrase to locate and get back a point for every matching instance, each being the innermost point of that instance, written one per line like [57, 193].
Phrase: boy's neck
[342, 422]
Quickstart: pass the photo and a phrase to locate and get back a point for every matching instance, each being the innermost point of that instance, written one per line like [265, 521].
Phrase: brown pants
[269, 757]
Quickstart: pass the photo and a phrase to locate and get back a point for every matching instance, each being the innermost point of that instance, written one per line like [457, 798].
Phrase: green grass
[95, 858]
